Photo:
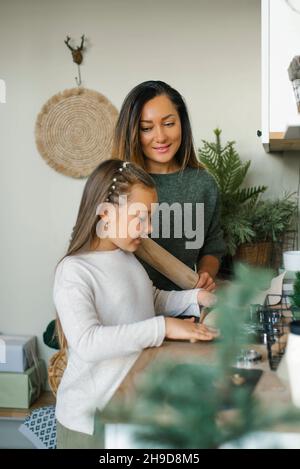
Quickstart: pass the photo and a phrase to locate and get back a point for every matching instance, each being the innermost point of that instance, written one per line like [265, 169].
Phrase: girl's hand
[188, 330]
[205, 281]
[206, 299]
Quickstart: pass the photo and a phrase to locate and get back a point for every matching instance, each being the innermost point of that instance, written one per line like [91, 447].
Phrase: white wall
[207, 49]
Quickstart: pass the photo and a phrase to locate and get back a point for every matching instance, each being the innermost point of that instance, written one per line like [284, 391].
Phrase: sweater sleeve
[93, 341]
[174, 303]
[214, 244]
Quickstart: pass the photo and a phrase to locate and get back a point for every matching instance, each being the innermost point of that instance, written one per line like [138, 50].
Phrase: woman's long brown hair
[126, 143]
[97, 191]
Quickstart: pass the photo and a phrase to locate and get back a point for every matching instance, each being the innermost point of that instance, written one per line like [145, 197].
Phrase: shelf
[46, 398]
[277, 142]
[278, 103]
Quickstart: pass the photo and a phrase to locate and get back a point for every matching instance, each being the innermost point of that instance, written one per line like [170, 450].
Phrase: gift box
[17, 353]
[20, 390]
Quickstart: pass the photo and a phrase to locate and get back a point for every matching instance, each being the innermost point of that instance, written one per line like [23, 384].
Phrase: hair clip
[113, 187]
[124, 165]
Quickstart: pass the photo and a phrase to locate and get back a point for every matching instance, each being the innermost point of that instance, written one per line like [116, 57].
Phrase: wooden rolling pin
[168, 265]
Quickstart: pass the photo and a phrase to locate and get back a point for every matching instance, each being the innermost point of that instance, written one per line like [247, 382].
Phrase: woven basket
[56, 368]
[259, 254]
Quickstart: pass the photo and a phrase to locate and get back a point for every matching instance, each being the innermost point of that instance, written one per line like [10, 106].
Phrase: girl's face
[130, 221]
[160, 130]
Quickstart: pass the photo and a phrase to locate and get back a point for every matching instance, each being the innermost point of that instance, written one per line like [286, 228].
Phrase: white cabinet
[280, 41]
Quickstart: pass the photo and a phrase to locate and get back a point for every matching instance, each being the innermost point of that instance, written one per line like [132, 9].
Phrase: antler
[67, 43]
[82, 43]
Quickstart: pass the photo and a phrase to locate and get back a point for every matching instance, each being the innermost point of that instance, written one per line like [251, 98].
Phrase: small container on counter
[293, 361]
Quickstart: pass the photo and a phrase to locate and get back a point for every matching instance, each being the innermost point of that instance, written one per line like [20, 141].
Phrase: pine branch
[245, 194]
[179, 405]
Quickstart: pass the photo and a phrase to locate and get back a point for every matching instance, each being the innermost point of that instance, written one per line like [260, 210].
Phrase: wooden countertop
[270, 391]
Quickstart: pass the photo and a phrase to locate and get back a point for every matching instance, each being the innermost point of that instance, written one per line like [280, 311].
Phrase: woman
[153, 130]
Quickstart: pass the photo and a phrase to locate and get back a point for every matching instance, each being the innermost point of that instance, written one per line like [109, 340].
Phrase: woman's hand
[188, 330]
[206, 281]
[206, 299]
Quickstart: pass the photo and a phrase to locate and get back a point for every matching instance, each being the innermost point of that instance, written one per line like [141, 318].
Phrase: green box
[20, 390]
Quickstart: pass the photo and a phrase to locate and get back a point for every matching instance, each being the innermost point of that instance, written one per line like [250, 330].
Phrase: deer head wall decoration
[77, 54]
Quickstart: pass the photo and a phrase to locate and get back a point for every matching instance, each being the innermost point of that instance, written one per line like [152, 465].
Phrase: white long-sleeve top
[110, 312]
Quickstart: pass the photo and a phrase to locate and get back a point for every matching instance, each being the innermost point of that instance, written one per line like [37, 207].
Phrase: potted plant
[269, 219]
[251, 226]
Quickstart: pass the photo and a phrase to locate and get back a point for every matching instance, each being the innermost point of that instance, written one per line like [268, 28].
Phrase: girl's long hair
[96, 191]
[126, 143]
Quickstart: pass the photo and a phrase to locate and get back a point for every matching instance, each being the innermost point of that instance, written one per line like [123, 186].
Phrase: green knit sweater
[189, 186]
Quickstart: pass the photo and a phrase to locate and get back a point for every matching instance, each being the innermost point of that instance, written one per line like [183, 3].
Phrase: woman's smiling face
[160, 130]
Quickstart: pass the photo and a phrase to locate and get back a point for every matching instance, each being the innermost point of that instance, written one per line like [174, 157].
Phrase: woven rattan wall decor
[74, 131]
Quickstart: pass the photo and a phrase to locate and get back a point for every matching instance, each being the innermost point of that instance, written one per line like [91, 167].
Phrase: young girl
[107, 306]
